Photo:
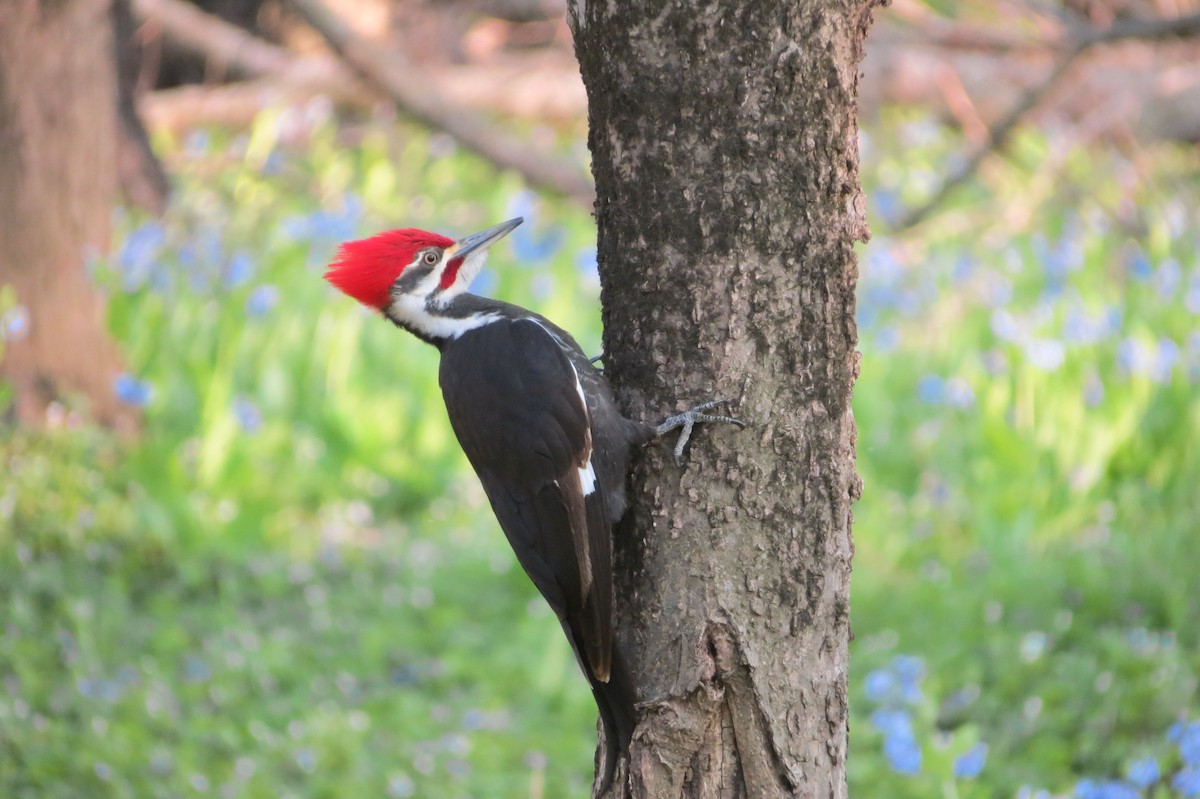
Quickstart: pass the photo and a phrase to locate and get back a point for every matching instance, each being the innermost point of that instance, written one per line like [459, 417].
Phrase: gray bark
[724, 147]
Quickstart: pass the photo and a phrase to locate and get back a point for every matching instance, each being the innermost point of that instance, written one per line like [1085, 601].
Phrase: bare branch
[998, 133]
[245, 54]
[997, 137]
[1146, 30]
[238, 51]
[405, 84]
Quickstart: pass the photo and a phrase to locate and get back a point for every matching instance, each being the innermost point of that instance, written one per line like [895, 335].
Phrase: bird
[540, 426]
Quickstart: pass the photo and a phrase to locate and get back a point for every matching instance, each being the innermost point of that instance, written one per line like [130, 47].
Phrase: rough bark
[58, 183]
[724, 147]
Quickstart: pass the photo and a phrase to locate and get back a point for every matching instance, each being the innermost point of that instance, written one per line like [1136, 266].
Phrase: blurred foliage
[290, 584]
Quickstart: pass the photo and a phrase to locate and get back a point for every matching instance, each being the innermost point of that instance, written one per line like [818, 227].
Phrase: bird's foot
[688, 419]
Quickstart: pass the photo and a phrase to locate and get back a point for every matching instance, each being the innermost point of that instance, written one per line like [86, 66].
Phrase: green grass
[290, 584]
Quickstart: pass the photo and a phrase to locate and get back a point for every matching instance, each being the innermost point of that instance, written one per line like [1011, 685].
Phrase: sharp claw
[687, 421]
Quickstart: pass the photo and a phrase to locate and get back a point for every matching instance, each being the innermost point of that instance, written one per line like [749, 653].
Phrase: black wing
[515, 404]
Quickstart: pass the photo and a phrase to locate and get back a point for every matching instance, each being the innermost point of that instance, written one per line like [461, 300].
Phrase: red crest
[366, 269]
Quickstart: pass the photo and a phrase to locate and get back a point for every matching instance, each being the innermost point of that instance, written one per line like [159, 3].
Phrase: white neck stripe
[411, 312]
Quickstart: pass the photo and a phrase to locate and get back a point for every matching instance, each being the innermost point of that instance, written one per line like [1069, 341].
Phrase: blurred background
[241, 554]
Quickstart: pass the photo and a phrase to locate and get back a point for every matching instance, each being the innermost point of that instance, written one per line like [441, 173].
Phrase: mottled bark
[58, 184]
[724, 147]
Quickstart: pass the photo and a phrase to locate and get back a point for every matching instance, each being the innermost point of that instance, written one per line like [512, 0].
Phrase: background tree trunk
[58, 184]
[724, 146]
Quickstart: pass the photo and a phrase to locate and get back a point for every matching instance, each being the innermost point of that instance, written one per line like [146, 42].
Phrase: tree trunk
[724, 147]
[58, 184]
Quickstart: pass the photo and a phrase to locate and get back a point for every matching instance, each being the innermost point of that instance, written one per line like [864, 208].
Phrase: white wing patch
[587, 476]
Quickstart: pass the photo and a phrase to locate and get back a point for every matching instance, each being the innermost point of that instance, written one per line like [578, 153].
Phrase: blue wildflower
[138, 252]
[588, 266]
[1080, 327]
[208, 246]
[530, 245]
[892, 722]
[248, 415]
[882, 266]
[908, 301]
[401, 786]
[931, 389]
[1165, 358]
[1046, 354]
[864, 145]
[132, 391]
[910, 671]
[1191, 300]
[880, 685]
[968, 765]
[261, 300]
[902, 753]
[1108, 789]
[1189, 744]
[274, 164]
[195, 669]
[887, 338]
[1132, 356]
[326, 226]
[959, 393]
[483, 283]
[1187, 782]
[239, 270]
[1006, 326]
[1093, 390]
[542, 286]
[14, 324]
[1142, 772]
[998, 290]
[196, 144]
[1167, 278]
[888, 204]
[909, 668]
[962, 269]
[1033, 644]
[1139, 266]
[306, 759]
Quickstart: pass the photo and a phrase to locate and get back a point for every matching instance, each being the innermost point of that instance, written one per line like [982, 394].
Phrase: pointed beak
[483, 239]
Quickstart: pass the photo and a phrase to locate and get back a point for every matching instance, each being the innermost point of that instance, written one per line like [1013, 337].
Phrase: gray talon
[688, 420]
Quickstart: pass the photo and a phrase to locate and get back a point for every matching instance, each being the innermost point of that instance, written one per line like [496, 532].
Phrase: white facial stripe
[430, 282]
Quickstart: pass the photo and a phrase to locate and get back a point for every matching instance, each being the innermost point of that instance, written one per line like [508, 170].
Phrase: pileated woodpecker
[538, 423]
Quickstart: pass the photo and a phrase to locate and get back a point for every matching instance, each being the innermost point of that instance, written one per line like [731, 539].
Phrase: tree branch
[240, 52]
[409, 89]
[245, 54]
[998, 133]
[1146, 30]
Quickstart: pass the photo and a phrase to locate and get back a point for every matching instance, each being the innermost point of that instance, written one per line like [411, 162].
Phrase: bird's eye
[431, 258]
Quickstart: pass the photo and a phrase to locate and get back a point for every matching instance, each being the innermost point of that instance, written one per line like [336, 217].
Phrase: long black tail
[615, 700]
